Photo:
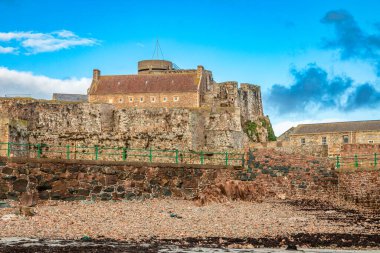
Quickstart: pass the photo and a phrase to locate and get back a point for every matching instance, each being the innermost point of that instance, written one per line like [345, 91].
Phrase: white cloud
[37, 86]
[7, 50]
[33, 43]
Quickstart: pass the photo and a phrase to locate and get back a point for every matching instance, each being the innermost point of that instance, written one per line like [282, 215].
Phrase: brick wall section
[360, 187]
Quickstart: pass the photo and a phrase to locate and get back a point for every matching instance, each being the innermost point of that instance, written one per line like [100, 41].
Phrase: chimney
[96, 74]
[200, 70]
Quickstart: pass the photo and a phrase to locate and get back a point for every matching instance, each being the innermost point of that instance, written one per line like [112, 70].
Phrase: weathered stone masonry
[55, 123]
[269, 175]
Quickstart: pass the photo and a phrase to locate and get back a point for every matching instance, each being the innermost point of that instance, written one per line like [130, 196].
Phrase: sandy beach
[169, 219]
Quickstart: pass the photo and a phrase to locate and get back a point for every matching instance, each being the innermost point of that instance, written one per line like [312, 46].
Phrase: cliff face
[102, 124]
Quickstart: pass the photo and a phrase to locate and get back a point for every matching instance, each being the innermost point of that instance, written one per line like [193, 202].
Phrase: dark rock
[44, 186]
[97, 189]
[291, 247]
[13, 195]
[105, 196]
[23, 171]
[120, 188]
[166, 192]
[7, 170]
[109, 189]
[44, 195]
[20, 185]
[130, 196]
[83, 192]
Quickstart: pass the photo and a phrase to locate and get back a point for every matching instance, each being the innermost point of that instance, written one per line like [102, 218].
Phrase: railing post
[202, 158]
[337, 162]
[68, 152]
[375, 159]
[39, 151]
[176, 156]
[96, 152]
[356, 161]
[124, 153]
[226, 158]
[9, 149]
[150, 155]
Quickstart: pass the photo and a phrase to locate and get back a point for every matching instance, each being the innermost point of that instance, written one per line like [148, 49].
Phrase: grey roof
[349, 126]
[70, 97]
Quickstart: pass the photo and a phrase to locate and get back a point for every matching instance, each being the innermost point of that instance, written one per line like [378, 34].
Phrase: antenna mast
[157, 51]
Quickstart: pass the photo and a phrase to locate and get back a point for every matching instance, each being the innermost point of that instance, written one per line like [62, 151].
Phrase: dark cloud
[364, 95]
[351, 41]
[313, 89]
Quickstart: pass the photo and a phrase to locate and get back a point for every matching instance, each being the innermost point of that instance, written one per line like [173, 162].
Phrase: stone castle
[158, 85]
[160, 107]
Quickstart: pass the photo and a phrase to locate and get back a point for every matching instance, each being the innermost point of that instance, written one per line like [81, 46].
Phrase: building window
[303, 141]
[324, 140]
[120, 100]
[152, 99]
[370, 141]
[175, 98]
[130, 99]
[110, 100]
[141, 99]
[165, 99]
[345, 139]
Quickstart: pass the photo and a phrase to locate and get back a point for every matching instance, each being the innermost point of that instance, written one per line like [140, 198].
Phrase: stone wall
[60, 124]
[361, 187]
[268, 174]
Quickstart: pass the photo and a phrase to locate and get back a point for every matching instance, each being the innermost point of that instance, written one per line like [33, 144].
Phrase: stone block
[20, 185]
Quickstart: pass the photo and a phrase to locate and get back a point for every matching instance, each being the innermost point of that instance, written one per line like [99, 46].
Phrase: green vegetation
[268, 126]
[250, 128]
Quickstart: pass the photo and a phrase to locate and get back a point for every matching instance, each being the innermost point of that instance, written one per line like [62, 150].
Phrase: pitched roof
[146, 83]
[349, 126]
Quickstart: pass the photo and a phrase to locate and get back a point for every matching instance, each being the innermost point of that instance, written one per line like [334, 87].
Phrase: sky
[315, 60]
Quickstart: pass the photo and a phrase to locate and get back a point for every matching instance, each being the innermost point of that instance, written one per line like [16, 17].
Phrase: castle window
[110, 100]
[120, 100]
[303, 141]
[324, 140]
[345, 139]
[142, 99]
[152, 99]
[130, 99]
[175, 98]
[165, 99]
[370, 141]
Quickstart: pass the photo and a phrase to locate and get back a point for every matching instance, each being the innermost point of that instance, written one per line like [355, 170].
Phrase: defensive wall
[269, 174]
[58, 123]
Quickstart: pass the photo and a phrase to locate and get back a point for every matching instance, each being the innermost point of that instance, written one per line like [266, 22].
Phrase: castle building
[158, 84]
[333, 135]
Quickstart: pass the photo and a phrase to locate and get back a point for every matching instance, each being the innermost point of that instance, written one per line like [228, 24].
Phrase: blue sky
[316, 61]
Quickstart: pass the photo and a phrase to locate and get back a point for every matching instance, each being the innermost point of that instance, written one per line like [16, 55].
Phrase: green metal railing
[98, 152]
[365, 161]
